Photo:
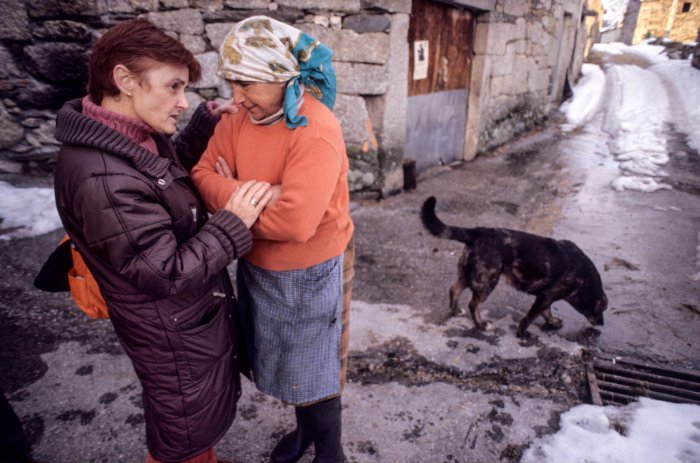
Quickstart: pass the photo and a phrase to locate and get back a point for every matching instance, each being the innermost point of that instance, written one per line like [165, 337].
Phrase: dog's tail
[435, 226]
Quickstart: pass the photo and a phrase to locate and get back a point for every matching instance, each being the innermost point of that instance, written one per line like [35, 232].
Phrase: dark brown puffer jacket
[142, 228]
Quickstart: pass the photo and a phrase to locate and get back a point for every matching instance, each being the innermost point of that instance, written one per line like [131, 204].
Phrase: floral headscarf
[262, 49]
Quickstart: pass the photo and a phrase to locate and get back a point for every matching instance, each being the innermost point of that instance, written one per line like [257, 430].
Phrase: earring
[128, 93]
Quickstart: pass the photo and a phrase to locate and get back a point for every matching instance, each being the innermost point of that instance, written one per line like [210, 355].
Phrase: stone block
[58, 61]
[187, 21]
[341, 6]
[287, 15]
[207, 6]
[515, 47]
[516, 8]
[322, 20]
[481, 38]
[536, 33]
[217, 32]
[392, 6]
[10, 167]
[63, 8]
[172, 4]
[210, 64]
[132, 6]
[8, 69]
[247, 4]
[14, 22]
[62, 30]
[194, 43]
[538, 79]
[11, 132]
[361, 79]
[497, 85]
[363, 24]
[499, 34]
[352, 114]
[393, 128]
[349, 46]
[502, 65]
[43, 135]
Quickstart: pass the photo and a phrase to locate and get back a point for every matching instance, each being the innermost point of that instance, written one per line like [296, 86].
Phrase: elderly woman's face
[260, 99]
[159, 98]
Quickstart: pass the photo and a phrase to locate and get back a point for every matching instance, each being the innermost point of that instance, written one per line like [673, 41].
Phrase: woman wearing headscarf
[294, 286]
[126, 200]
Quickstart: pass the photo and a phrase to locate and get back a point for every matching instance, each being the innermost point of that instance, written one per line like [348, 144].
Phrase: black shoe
[292, 446]
[325, 421]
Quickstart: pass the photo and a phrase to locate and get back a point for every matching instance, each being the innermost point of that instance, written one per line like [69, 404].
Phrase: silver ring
[253, 202]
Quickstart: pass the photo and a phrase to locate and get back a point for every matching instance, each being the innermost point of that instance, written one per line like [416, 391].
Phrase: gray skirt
[292, 326]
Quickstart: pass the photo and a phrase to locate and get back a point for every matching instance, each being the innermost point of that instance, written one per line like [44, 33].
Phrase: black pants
[14, 447]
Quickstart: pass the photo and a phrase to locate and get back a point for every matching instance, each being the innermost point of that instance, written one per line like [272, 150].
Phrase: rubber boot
[292, 446]
[326, 429]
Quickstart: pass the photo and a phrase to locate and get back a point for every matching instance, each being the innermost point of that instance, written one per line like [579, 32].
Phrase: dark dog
[550, 270]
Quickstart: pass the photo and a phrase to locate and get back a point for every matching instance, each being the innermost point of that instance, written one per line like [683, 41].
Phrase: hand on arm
[248, 201]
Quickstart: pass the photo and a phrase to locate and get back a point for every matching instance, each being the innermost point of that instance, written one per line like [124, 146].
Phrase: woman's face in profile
[260, 99]
[159, 98]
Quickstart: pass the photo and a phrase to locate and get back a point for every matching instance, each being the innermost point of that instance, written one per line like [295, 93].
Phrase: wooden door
[440, 39]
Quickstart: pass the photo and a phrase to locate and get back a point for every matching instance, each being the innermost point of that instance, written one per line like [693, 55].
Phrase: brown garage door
[440, 49]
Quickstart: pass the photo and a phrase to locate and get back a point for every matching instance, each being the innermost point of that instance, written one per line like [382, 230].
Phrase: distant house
[677, 20]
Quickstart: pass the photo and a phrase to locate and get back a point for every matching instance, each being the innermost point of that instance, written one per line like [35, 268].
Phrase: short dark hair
[135, 44]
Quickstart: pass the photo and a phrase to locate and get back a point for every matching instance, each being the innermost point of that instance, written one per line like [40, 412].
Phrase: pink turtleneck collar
[135, 129]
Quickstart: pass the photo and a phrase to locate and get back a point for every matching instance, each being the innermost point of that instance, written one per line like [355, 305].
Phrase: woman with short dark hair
[126, 200]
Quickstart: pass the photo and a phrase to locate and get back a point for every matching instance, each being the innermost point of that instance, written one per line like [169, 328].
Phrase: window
[686, 7]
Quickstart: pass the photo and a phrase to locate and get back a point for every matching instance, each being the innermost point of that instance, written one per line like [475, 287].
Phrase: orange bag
[65, 270]
[83, 288]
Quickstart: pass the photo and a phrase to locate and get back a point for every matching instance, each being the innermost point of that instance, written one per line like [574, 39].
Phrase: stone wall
[665, 19]
[44, 47]
[523, 54]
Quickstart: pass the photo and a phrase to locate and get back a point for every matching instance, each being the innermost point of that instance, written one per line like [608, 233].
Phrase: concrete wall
[523, 51]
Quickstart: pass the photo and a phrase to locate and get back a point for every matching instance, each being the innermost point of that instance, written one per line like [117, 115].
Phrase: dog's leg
[477, 298]
[455, 292]
[541, 304]
[553, 323]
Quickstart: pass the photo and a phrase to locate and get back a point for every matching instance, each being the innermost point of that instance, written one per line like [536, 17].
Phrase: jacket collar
[74, 128]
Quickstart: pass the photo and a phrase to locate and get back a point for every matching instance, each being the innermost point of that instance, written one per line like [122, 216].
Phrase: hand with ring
[248, 201]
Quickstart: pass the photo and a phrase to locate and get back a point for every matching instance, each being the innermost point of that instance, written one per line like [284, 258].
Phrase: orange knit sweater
[310, 221]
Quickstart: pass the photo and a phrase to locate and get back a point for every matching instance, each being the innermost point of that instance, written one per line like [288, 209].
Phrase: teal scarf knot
[315, 73]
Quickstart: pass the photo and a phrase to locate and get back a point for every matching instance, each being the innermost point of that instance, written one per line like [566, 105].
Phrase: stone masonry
[525, 54]
[44, 47]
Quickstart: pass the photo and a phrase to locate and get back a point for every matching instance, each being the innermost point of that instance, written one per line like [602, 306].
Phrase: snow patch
[588, 94]
[648, 431]
[27, 211]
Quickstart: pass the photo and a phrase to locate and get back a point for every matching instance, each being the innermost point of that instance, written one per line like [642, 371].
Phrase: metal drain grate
[618, 380]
